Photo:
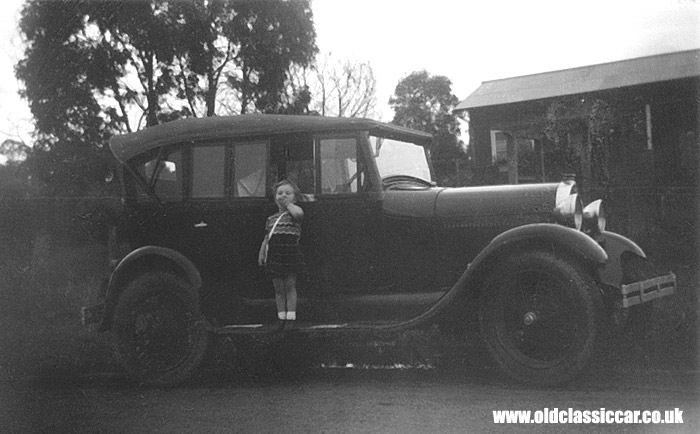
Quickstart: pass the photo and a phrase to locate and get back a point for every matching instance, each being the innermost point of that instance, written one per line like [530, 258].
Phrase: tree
[341, 88]
[243, 51]
[424, 102]
[95, 68]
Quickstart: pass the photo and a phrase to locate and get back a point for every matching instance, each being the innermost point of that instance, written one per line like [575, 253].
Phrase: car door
[338, 240]
[348, 221]
[227, 209]
[342, 231]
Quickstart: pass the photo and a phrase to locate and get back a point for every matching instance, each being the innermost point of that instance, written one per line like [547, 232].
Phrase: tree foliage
[13, 151]
[95, 68]
[424, 102]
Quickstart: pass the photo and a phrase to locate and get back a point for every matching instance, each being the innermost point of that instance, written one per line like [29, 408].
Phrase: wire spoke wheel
[539, 317]
[159, 334]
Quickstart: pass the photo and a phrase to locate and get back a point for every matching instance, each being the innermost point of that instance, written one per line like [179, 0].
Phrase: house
[628, 130]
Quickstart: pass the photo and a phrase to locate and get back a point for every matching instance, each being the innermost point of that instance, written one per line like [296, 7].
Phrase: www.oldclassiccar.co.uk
[598, 416]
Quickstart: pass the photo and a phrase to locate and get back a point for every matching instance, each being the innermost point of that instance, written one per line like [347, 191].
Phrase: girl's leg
[290, 286]
[280, 297]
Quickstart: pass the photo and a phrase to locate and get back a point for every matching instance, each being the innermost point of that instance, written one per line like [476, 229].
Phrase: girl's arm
[261, 253]
[295, 211]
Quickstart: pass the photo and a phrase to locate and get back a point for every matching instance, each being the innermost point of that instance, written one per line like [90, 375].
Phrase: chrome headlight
[568, 209]
[594, 218]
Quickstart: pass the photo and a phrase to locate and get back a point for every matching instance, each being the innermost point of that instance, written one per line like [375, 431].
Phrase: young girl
[280, 252]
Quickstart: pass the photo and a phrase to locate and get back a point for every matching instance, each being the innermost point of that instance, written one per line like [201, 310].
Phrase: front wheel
[540, 318]
[159, 333]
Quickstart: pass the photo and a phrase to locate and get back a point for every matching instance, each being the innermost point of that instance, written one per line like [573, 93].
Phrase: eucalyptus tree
[95, 68]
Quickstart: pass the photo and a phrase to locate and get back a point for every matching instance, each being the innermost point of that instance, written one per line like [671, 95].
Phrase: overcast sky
[469, 42]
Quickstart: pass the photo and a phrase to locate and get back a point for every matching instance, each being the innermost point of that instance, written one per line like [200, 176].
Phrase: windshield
[395, 157]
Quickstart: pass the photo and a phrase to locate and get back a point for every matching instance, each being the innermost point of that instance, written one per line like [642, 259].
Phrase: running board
[306, 328]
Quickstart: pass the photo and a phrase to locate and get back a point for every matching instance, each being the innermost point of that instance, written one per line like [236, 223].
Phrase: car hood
[525, 202]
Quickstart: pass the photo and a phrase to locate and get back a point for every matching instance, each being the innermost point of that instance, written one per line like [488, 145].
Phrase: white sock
[281, 315]
[291, 316]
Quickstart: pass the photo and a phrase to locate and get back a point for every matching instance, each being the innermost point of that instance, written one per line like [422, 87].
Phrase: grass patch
[41, 291]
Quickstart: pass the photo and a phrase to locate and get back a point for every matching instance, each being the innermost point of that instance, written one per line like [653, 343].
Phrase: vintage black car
[385, 248]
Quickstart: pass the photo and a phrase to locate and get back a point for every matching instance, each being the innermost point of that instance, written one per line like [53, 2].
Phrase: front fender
[546, 235]
[147, 258]
[533, 236]
[615, 245]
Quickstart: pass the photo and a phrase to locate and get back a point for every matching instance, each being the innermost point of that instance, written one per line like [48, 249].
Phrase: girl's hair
[289, 182]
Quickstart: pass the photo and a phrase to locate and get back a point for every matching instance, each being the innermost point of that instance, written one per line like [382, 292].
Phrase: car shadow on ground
[263, 363]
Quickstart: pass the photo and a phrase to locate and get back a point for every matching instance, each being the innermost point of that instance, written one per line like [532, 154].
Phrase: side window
[208, 171]
[292, 157]
[164, 175]
[249, 165]
[339, 168]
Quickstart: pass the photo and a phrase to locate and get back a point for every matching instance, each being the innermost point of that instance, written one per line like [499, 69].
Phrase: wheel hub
[529, 318]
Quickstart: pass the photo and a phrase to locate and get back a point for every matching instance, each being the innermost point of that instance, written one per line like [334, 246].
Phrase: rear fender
[147, 258]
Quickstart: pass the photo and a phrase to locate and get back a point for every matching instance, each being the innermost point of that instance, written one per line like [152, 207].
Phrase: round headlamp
[569, 209]
[594, 218]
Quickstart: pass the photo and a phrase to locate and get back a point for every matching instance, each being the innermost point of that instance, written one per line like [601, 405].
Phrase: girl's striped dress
[284, 253]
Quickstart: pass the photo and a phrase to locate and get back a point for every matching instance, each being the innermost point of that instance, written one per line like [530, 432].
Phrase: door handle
[201, 224]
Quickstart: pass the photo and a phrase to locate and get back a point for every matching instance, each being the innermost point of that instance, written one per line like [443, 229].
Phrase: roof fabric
[624, 73]
[127, 146]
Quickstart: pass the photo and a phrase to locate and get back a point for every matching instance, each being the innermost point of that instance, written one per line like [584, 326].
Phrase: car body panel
[374, 251]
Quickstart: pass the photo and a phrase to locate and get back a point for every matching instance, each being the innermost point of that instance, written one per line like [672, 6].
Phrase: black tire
[540, 317]
[159, 334]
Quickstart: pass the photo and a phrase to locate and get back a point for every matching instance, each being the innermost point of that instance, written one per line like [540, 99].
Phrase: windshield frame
[423, 170]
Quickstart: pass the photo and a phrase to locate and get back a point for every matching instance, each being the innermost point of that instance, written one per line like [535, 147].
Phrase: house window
[499, 147]
[522, 162]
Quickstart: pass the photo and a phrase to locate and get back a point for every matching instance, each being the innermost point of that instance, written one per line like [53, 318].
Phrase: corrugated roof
[127, 146]
[624, 73]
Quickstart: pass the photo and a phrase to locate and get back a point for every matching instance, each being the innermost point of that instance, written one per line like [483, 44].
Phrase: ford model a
[385, 248]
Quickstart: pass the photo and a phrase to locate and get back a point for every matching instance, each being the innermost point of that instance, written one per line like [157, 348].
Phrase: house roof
[127, 146]
[624, 73]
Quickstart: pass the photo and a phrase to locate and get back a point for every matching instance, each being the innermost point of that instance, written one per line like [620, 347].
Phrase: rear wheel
[540, 318]
[159, 334]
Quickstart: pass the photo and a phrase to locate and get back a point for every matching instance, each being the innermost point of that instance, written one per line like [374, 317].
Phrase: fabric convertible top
[127, 146]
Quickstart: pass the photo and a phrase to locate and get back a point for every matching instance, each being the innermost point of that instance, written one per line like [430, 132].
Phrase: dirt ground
[338, 400]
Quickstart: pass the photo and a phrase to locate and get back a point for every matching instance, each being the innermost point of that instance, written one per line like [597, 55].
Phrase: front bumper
[647, 290]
